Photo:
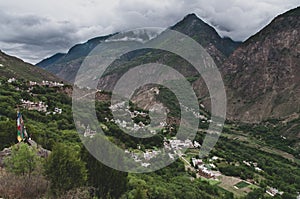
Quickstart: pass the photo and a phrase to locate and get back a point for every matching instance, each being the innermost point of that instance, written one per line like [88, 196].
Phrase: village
[204, 169]
[39, 106]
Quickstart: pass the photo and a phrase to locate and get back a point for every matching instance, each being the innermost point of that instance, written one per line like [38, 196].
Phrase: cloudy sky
[35, 29]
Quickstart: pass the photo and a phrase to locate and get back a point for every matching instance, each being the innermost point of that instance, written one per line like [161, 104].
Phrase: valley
[237, 146]
[257, 154]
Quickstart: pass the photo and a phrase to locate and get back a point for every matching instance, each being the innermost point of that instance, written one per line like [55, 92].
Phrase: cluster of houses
[43, 83]
[140, 157]
[273, 192]
[56, 111]
[122, 107]
[149, 154]
[172, 147]
[38, 106]
[195, 113]
[130, 125]
[46, 83]
[207, 173]
[254, 164]
[204, 170]
[119, 106]
[11, 80]
[89, 133]
[176, 144]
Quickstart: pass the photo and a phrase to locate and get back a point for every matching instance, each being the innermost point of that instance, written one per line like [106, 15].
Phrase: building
[11, 80]
[57, 110]
[51, 84]
[204, 172]
[89, 133]
[179, 144]
[150, 154]
[273, 192]
[31, 83]
[37, 106]
[197, 144]
[196, 162]
[145, 164]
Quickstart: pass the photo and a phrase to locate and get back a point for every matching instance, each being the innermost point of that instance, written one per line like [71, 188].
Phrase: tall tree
[7, 132]
[107, 181]
[65, 169]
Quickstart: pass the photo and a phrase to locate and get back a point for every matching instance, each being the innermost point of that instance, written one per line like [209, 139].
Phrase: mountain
[14, 67]
[66, 66]
[263, 74]
[204, 34]
[50, 60]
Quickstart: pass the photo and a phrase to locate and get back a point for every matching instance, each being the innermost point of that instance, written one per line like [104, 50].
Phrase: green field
[242, 184]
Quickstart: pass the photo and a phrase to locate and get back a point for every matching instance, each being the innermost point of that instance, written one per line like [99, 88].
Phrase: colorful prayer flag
[21, 128]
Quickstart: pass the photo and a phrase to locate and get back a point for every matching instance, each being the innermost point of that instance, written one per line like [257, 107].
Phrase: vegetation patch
[242, 185]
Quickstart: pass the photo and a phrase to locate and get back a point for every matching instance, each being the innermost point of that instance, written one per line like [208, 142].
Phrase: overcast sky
[35, 29]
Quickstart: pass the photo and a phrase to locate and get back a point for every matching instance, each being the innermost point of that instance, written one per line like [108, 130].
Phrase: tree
[23, 159]
[7, 132]
[105, 180]
[65, 169]
[256, 194]
[140, 194]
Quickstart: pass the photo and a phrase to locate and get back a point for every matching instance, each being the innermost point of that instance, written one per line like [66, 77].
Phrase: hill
[13, 67]
[250, 153]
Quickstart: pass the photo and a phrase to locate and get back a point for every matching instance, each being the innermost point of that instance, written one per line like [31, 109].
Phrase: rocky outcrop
[41, 152]
[263, 74]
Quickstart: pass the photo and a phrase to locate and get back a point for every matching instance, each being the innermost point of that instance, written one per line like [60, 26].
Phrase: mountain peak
[191, 16]
[205, 34]
[190, 25]
[193, 20]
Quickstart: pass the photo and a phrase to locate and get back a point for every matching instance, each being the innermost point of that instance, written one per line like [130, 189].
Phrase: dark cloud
[33, 37]
[37, 29]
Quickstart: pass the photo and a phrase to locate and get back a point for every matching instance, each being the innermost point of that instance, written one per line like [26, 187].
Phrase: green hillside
[13, 67]
[240, 151]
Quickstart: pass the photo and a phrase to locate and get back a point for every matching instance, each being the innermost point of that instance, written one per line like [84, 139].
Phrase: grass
[211, 181]
[242, 185]
[228, 182]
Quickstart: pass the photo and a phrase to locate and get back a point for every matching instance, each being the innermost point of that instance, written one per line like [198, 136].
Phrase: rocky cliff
[263, 74]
